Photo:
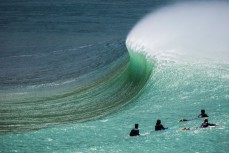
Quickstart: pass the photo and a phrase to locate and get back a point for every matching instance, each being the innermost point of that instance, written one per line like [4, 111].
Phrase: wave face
[106, 90]
[65, 62]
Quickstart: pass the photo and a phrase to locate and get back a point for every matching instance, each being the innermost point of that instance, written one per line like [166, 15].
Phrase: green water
[40, 109]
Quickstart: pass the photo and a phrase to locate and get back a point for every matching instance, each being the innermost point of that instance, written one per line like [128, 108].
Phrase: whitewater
[66, 87]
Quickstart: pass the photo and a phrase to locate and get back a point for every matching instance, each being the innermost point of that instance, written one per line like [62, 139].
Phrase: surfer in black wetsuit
[202, 115]
[159, 126]
[135, 131]
[183, 120]
[206, 124]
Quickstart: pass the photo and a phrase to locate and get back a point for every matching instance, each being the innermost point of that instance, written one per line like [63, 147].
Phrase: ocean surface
[75, 76]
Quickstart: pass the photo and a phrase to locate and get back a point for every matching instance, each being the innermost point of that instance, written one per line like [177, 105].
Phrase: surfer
[159, 126]
[185, 128]
[206, 124]
[135, 131]
[183, 120]
[202, 115]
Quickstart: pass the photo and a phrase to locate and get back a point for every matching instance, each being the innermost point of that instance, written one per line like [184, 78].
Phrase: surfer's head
[206, 120]
[158, 121]
[136, 126]
[202, 111]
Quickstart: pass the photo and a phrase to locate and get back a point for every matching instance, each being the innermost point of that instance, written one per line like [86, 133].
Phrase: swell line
[77, 104]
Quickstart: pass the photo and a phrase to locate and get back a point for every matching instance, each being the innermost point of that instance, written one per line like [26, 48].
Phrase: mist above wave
[192, 28]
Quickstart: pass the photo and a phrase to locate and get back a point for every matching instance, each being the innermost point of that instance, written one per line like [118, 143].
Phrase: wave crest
[193, 28]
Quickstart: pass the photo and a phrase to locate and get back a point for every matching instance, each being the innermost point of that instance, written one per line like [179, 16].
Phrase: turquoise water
[186, 96]
[86, 94]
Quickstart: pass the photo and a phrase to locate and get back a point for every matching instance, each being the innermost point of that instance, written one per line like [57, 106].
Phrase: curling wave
[44, 106]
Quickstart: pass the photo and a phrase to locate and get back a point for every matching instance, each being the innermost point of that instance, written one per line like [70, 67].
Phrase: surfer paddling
[159, 126]
[135, 131]
[202, 115]
[205, 124]
[185, 128]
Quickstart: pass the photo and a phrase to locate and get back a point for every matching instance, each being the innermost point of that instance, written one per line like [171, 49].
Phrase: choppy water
[77, 76]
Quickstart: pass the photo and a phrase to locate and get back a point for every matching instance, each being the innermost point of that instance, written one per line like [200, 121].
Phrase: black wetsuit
[206, 124]
[159, 127]
[134, 132]
[202, 115]
[184, 120]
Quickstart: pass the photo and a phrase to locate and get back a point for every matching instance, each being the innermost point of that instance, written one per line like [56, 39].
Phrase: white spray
[194, 28]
